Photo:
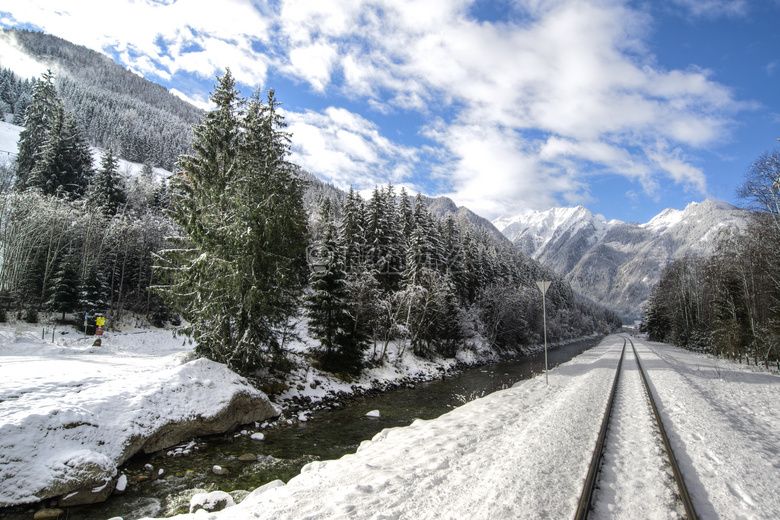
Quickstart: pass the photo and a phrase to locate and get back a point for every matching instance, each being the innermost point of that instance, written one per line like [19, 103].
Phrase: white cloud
[714, 8]
[346, 149]
[12, 57]
[522, 112]
[674, 164]
[198, 38]
[314, 63]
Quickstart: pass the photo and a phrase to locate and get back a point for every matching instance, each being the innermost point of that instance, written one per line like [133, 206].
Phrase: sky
[626, 107]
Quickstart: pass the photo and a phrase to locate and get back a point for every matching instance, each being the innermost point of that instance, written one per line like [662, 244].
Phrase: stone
[219, 470]
[48, 513]
[242, 409]
[121, 485]
[248, 457]
[90, 469]
[239, 495]
[211, 502]
[87, 495]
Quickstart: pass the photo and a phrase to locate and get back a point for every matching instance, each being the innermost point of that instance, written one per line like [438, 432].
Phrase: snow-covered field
[524, 452]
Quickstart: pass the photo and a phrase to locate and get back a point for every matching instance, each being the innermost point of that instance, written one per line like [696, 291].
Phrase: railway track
[589, 501]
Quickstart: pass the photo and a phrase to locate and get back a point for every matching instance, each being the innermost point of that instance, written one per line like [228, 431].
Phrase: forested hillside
[728, 303]
[140, 120]
[242, 244]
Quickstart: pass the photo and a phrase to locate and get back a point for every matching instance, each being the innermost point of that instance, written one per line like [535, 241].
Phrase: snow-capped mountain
[558, 237]
[615, 263]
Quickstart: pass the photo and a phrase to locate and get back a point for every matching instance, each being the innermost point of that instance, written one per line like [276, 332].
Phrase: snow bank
[71, 413]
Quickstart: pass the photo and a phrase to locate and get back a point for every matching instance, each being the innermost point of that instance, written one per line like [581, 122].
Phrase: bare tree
[761, 188]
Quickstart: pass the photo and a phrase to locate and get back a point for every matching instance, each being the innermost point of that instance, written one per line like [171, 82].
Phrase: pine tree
[384, 248]
[39, 117]
[406, 215]
[65, 289]
[53, 155]
[106, 190]
[94, 292]
[331, 317]
[352, 239]
[238, 275]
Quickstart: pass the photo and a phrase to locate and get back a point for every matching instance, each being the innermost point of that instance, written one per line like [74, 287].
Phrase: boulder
[98, 435]
[48, 514]
[87, 495]
[242, 409]
[211, 502]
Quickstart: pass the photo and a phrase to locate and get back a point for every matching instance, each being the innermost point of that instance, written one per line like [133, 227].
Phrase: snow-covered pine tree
[384, 248]
[63, 165]
[238, 274]
[39, 117]
[65, 289]
[106, 190]
[269, 201]
[94, 292]
[331, 317]
[429, 250]
[405, 215]
[352, 238]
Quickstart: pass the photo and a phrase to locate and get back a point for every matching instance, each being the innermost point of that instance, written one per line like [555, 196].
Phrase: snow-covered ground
[524, 452]
[517, 453]
[70, 409]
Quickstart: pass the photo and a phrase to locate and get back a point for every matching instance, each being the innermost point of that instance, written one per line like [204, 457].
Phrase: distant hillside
[140, 120]
[614, 263]
[442, 206]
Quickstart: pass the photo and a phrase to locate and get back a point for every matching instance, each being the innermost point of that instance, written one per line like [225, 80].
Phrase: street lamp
[543, 285]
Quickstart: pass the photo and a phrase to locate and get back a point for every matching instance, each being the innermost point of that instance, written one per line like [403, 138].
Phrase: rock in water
[87, 495]
[214, 501]
[121, 485]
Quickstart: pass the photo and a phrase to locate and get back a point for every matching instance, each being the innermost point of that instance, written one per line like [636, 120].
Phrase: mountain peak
[615, 263]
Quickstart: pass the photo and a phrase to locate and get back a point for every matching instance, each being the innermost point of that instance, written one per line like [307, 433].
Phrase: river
[327, 434]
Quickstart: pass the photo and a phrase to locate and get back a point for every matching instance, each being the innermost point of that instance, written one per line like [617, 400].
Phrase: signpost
[543, 285]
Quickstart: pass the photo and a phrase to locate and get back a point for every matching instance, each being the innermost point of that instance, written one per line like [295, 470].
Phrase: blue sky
[626, 107]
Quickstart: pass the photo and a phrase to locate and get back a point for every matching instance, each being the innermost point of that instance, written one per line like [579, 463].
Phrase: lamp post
[543, 285]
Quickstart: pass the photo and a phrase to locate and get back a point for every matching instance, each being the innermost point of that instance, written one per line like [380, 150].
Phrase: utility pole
[543, 286]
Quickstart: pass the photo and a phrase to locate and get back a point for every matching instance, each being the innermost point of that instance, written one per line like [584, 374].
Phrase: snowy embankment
[72, 412]
[524, 452]
[516, 453]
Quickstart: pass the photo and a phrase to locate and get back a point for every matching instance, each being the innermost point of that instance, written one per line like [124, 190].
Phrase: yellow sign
[100, 321]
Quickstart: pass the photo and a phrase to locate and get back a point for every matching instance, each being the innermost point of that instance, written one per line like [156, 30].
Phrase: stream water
[162, 484]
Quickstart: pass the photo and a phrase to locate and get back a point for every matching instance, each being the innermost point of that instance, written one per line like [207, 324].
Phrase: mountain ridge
[615, 263]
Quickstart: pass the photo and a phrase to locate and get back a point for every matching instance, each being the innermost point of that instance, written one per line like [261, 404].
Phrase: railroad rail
[584, 506]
